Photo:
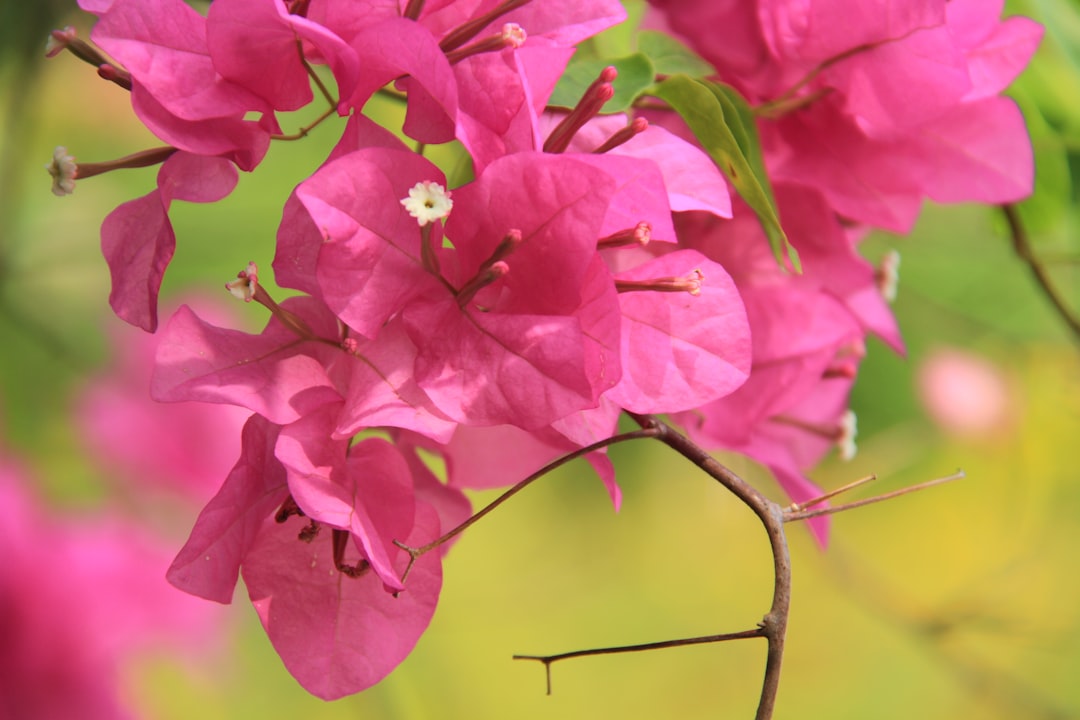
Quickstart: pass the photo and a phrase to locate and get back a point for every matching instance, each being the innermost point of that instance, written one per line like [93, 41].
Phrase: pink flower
[80, 600]
[285, 377]
[310, 524]
[877, 107]
[965, 394]
[515, 322]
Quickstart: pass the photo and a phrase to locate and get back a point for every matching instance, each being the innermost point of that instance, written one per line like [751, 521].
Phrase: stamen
[636, 127]
[413, 9]
[66, 39]
[246, 287]
[512, 36]
[115, 75]
[843, 433]
[340, 542]
[846, 369]
[65, 171]
[689, 283]
[639, 236]
[309, 532]
[468, 31]
[298, 7]
[592, 101]
[287, 510]
[510, 242]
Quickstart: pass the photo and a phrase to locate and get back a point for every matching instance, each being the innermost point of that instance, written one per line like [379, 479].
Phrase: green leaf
[671, 57]
[636, 73]
[724, 125]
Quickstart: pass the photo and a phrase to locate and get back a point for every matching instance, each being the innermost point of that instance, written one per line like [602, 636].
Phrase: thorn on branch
[797, 512]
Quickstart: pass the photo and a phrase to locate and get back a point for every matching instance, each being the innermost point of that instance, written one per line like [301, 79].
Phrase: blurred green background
[963, 601]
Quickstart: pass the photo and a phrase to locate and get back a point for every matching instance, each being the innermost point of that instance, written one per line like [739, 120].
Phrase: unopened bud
[688, 283]
[638, 236]
[623, 135]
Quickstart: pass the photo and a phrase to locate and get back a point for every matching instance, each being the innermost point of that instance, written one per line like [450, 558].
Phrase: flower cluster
[595, 262]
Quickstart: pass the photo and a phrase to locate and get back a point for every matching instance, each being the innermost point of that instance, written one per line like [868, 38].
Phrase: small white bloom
[63, 170]
[848, 430]
[428, 201]
[889, 275]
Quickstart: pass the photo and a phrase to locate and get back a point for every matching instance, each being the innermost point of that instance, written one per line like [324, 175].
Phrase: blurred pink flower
[81, 598]
[185, 449]
[963, 393]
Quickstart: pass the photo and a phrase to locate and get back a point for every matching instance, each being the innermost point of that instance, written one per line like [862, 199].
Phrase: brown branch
[414, 553]
[549, 659]
[1022, 245]
[774, 625]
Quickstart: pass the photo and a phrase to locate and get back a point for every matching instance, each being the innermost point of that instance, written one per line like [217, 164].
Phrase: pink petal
[979, 152]
[368, 493]
[681, 351]
[817, 30]
[339, 635]
[264, 373]
[162, 43]
[253, 44]
[382, 392]
[369, 264]
[209, 563]
[138, 242]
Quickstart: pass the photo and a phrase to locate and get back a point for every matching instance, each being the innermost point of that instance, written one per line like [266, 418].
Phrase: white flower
[63, 170]
[428, 201]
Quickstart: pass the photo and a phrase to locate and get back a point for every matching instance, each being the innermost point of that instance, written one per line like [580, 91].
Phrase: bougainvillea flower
[526, 348]
[878, 109]
[284, 376]
[176, 90]
[830, 261]
[329, 615]
[680, 349]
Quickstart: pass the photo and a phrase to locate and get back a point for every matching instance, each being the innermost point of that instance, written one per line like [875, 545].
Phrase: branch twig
[1023, 248]
[774, 625]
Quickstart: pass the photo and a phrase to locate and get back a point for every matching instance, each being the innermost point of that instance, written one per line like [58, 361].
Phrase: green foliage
[636, 73]
[724, 126]
[671, 57]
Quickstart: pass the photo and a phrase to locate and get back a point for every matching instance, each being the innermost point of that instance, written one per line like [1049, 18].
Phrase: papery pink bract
[339, 635]
[679, 350]
[137, 238]
[209, 563]
[186, 449]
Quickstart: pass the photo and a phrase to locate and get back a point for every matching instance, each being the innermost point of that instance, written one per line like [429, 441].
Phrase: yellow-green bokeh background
[963, 602]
